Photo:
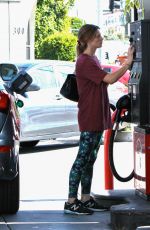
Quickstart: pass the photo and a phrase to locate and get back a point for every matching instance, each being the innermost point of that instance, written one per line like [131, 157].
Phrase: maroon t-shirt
[94, 110]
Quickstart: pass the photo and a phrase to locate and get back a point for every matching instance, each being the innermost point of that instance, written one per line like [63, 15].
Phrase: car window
[1, 84]
[44, 77]
[65, 68]
[62, 71]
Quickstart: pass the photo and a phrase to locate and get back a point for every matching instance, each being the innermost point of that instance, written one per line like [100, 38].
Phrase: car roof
[27, 64]
[31, 63]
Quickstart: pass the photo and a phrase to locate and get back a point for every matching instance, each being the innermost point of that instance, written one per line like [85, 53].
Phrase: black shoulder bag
[69, 89]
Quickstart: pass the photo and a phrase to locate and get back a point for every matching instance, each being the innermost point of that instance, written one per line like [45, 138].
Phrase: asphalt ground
[44, 187]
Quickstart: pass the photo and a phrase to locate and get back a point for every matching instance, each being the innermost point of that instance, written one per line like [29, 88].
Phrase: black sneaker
[77, 208]
[94, 206]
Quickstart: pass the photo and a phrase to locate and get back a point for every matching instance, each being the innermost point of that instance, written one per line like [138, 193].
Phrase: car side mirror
[21, 82]
[8, 71]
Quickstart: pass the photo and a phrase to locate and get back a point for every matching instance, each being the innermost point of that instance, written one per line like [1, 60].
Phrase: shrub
[59, 46]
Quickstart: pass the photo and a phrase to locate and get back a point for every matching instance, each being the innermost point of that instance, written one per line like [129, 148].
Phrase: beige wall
[14, 19]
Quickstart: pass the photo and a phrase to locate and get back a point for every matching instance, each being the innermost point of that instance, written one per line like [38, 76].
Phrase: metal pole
[108, 176]
[99, 12]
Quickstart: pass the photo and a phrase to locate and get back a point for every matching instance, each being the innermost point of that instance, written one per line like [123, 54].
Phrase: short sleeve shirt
[94, 109]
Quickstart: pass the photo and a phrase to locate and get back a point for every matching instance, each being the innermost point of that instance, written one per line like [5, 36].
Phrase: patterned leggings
[82, 168]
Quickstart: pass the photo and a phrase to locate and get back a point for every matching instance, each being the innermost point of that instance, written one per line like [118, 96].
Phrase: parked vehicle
[119, 88]
[11, 82]
[112, 68]
[46, 114]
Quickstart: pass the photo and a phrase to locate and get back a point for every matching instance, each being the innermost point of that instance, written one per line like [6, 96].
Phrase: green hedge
[59, 46]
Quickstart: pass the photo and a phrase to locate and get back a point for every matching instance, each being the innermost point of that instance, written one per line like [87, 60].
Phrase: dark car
[11, 82]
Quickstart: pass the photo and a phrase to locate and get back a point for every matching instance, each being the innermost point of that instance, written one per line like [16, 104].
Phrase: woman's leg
[88, 144]
[87, 173]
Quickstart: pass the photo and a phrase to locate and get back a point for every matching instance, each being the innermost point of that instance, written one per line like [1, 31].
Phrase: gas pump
[137, 106]
[139, 89]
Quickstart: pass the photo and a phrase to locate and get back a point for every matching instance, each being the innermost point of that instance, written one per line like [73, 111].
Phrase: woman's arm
[111, 78]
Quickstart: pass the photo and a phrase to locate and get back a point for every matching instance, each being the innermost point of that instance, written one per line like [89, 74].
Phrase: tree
[131, 4]
[128, 4]
[51, 16]
[76, 23]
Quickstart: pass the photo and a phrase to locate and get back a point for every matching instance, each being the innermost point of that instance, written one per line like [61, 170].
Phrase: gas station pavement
[42, 198]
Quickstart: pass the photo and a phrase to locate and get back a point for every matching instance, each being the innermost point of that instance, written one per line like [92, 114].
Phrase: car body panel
[11, 82]
[42, 113]
[9, 136]
[119, 88]
[112, 68]
[46, 113]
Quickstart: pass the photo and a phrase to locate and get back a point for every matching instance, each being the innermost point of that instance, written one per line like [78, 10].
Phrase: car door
[70, 107]
[43, 113]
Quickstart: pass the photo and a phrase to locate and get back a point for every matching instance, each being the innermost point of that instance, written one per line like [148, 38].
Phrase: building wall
[16, 22]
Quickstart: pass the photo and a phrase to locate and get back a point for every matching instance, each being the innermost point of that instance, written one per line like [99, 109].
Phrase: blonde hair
[85, 34]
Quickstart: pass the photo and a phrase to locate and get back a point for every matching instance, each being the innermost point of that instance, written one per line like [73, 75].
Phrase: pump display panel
[139, 83]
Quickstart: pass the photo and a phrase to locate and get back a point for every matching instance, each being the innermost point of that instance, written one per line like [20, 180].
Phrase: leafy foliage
[76, 23]
[59, 46]
[51, 16]
[131, 4]
[111, 34]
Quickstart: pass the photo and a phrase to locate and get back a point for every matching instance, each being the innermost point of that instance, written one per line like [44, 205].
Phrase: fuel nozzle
[131, 40]
[133, 43]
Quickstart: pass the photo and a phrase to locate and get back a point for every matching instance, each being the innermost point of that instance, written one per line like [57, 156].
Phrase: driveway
[44, 185]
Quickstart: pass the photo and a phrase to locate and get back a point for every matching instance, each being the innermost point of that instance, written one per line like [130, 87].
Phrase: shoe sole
[98, 210]
[76, 213]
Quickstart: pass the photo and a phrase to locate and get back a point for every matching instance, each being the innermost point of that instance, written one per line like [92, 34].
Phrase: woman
[93, 116]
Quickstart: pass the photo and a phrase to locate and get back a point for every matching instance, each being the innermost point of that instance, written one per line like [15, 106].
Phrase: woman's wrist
[127, 64]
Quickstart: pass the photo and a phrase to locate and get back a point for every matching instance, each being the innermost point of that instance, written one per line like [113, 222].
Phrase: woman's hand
[111, 78]
[131, 51]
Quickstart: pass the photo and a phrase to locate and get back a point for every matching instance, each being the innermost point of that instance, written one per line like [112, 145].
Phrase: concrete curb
[128, 211]
[143, 227]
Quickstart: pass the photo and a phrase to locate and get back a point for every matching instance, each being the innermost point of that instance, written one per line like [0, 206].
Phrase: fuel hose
[118, 117]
